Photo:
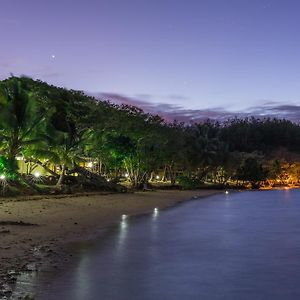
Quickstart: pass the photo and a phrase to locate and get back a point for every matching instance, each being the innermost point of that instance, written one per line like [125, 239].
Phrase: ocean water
[237, 246]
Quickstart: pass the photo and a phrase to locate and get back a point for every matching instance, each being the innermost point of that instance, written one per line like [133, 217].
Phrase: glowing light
[126, 175]
[108, 180]
[90, 165]
[155, 213]
[53, 56]
[226, 192]
[157, 177]
[2, 177]
[124, 217]
[37, 175]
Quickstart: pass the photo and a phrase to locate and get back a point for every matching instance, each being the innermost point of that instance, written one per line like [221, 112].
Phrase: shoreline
[34, 231]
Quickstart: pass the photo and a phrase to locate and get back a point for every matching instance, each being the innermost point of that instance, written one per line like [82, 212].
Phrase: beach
[33, 230]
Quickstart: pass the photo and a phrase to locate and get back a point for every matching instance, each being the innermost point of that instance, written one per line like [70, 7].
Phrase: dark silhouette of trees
[52, 126]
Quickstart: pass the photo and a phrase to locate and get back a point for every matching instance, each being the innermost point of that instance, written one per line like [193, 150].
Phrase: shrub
[188, 183]
[8, 168]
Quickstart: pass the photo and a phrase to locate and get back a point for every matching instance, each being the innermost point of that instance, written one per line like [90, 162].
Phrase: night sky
[177, 57]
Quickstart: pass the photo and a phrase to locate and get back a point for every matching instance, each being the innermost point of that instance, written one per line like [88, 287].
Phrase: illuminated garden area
[54, 140]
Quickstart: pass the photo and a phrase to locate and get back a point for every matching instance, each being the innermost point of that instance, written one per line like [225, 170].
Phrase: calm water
[236, 246]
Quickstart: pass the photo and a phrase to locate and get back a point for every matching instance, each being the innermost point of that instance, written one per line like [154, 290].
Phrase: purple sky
[192, 57]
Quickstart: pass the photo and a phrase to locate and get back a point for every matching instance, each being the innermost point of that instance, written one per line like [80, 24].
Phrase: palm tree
[21, 119]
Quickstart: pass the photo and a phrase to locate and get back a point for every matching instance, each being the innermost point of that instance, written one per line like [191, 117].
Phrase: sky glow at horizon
[212, 54]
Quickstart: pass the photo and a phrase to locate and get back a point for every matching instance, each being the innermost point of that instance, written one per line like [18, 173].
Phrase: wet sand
[35, 228]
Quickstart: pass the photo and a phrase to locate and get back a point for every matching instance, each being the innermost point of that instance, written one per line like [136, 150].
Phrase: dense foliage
[60, 129]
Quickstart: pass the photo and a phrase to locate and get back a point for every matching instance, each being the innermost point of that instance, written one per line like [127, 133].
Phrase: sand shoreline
[35, 230]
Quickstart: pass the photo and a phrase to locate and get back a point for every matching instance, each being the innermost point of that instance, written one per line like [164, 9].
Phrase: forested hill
[50, 126]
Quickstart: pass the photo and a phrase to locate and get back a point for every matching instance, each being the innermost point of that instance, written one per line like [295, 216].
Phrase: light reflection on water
[155, 213]
[83, 278]
[122, 234]
[230, 246]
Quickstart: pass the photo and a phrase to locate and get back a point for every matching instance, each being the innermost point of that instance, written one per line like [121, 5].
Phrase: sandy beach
[32, 229]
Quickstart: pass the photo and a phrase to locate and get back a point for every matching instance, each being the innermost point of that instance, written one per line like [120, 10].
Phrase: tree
[22, 120]
[251, 170]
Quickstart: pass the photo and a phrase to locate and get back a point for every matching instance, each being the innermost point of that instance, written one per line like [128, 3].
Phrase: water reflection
[154, 224]
[82, 278]
[246, 248]
[155, 213]
[287, 193]
[122, 234]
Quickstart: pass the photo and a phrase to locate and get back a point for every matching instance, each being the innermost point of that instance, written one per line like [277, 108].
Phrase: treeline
[51, 126]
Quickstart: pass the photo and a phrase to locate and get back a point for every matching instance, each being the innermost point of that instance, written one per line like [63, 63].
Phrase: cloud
[172, 112]
[277, 110]
[178, 97]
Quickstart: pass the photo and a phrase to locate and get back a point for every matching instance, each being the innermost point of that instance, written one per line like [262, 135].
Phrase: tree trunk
[61, 179]
[164, 178]
[46, 168]
[100, 167]
[172, 175]
[151, 176]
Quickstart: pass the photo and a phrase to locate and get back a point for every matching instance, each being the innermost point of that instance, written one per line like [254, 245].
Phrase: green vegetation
[86, 144]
